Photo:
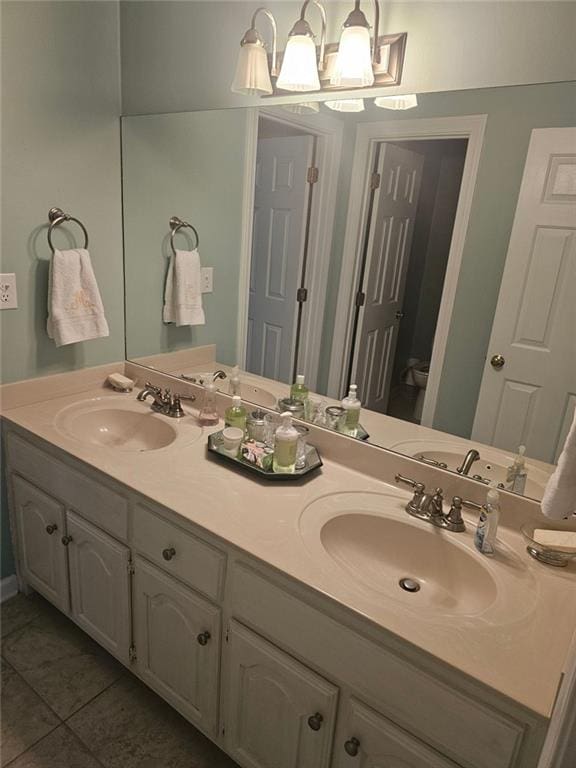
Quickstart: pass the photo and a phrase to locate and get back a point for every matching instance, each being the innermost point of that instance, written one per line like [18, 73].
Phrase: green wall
[60, 146]
[190, 165]
[512, 115]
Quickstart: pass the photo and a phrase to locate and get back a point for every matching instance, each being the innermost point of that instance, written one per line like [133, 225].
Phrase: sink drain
[409, 585]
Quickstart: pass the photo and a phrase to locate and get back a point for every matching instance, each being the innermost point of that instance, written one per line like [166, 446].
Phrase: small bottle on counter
[235, 415]
[485, 536]
[298, 390]
[208, 415]
[352, 406]
[285, 445]
[517, 475]
[235, 383]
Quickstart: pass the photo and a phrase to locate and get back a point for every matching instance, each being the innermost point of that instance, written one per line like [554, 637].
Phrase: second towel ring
[56, 216]
[175, 225]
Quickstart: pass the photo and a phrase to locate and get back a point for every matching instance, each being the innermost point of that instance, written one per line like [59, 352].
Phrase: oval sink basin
[492, 464]
[121, 424]
[376, 551]
[248, 391]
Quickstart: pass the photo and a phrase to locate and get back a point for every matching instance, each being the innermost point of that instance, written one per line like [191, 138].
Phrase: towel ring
[175, 225]
[56, 216]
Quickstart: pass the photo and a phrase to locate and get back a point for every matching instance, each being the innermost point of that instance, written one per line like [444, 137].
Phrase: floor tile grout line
[90, 701]
[35, 743]
[79, 740]
[42, 699]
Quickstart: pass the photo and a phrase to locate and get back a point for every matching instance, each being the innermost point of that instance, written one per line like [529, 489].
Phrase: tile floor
[66, 703]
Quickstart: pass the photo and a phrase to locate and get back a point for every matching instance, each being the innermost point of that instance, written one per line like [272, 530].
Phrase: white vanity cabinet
[278, 713]
[366, 739]
[99, 570]
[41, 521]
[177, 642]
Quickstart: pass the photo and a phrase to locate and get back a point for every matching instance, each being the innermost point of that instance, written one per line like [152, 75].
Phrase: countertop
[517, 647]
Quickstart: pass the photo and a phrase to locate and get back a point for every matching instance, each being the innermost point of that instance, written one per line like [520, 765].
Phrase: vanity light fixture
[346, 105]
[252, 76]
[303, 108]
[355, 59]
[409, 101]
[300, 68]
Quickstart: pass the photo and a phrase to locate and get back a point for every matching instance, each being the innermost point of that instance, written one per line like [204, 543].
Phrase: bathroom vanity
[256, 610]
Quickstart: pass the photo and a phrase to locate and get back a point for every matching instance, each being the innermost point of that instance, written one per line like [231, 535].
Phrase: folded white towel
[559, 498]
[75, 309]
[183, 292]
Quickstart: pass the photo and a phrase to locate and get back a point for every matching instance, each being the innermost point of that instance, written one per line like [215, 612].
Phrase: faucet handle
[418, 487]
[454, 516]
[152, 388]
[471, 505]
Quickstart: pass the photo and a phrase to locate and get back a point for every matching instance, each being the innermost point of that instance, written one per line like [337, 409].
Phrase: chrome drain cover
[409, 585]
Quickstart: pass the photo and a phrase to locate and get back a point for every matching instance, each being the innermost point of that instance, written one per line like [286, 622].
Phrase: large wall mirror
[427, 255]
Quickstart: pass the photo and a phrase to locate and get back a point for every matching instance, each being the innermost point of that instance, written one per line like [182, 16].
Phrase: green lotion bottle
[298, 391]
[235, 415]
[285, 443]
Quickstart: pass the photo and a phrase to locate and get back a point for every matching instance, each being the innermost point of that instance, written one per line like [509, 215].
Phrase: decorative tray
[313, 461]
[361, 433]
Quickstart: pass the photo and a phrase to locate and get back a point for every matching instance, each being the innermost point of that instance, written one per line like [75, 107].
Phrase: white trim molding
[368, 135]
[8, 587]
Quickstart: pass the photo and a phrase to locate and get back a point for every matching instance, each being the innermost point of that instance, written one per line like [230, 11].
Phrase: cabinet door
[99, 585]
[177, 639]
[41, 524]
[279, 714]
[366, 739]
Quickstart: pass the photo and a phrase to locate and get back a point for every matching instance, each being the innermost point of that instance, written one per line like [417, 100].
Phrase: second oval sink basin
[122, 424]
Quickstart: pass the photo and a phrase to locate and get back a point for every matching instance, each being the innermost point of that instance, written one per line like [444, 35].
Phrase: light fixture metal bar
[322, 10]
[253, 38]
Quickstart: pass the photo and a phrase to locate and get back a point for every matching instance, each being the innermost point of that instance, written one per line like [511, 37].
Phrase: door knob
[399, 315]
[497, 361]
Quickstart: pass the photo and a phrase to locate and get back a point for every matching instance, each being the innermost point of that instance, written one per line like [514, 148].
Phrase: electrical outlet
[8, 296]
[206, 278]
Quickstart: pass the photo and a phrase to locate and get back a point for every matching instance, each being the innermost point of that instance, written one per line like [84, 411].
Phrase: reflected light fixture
[346, 105]
[409, 101]
[252, 76]
[303, 108]
[355, 59]
[299, 71]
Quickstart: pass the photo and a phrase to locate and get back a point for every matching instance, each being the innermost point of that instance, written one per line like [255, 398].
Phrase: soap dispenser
[298, 390]
[235, 415]
[208, 415]
[485, 536]
[285, 445]
[352, 406]
[517, 474]
[234, 384]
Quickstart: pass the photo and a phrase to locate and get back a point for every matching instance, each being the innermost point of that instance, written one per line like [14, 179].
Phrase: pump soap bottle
[285, 446]
[298, 390]
[235, 415]
[352, 406]
[517, 474]
[234, 383]
[485, 536]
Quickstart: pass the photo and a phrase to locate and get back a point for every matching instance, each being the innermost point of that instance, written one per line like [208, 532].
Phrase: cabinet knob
[315, 721]
[50, 529]
[203, 638]
[168, 553]
[352, 746]
[66, 540]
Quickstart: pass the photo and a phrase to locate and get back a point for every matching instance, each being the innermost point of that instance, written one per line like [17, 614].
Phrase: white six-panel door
[391, 232]
[530, 399]
[280, 207]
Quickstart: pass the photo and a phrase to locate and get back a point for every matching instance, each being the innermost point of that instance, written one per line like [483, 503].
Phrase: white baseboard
[8, 587]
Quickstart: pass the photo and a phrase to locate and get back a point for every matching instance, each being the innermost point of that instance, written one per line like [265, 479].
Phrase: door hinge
[302, 295]
[375, 181]
[227, 636]
[360, 298]
[312, 175]
[130, 568]
[132, 653]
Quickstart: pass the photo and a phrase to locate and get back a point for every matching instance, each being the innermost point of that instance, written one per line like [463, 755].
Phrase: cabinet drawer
[82, 492]
[188, 558]
[468, 731]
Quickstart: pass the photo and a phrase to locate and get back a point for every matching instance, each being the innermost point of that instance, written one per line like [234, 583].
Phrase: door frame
[328, 132]
[470, 127]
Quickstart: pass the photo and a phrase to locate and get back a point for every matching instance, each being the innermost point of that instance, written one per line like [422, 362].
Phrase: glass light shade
[346, 105]
[252, 76]
[353, 68]
[299, 67]
[303, 107]
[397, 102]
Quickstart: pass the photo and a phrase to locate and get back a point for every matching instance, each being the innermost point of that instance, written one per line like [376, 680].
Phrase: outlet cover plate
[206, 279]
[8, 295]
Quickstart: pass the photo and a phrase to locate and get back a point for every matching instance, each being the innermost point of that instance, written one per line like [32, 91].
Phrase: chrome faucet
[430, 507]
[164, 401]
[219, 375]
[469, 459]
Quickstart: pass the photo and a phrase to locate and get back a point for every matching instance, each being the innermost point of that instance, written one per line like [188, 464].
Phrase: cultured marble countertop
[518, 646]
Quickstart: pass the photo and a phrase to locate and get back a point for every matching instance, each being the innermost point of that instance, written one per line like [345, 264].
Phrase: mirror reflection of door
[280, 216]
[415, 188]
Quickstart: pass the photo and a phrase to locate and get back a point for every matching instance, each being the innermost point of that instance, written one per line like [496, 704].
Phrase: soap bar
[555, 538]
[120, 382]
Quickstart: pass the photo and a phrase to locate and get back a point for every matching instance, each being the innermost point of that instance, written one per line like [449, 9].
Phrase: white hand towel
[559, 498]
[183, 292]
[75, 309]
